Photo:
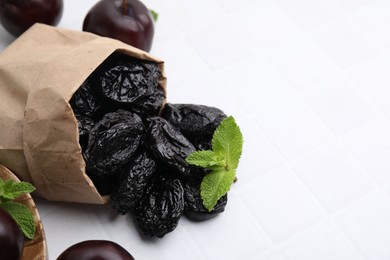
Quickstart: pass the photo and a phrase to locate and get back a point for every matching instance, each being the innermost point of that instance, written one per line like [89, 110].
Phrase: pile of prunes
[135, 146]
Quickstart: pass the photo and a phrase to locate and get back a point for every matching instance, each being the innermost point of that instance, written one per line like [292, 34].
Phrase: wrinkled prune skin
[112, 142]
[160, 208]
[85, 101]
[132, 84]
[168, 146]
[104, 184]
[85, 124]
[196, 122]
[194, 208]
[132, 183]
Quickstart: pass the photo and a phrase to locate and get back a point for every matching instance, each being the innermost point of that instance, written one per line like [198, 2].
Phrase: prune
[196, 122]
[132, 84]
[132, 182]
[95, 250]
[169, 146]
[85, 124]
[105, 184]
[112, 142]
[85, 101]
[161, 207]
[194, 208]
[11, 237]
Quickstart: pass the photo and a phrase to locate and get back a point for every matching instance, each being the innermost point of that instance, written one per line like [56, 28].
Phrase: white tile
[371, 146]
[281, 204]
[233, 5]
[354, 4]
[255, 83]
[373, 77]
[375, 18]
[302, 61]
[339, 104]
[310, 14]
[258, 156]
[181, 65]
[266, 24]
[272, 255]
[163, 30]
[322, 242]
[334, 177]
[345, 42]
[367, 225]
[162, 248]
[187, 14]
[239, 227]
[221, 44]
[207, 90]
[293, 128]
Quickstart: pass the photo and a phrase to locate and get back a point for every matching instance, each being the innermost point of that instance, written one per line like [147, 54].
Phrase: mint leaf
[13, 189]
[1, 188]
[215, 185]
[154, 15]
[222, 161]
[205, 159]
[22, 216]
[227, 142]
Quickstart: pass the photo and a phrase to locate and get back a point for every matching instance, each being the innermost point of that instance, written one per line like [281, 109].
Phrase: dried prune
[112, 142]
[85, 101]
[194, 208]
[85, 124]
[196, 122]
[132, 182]
[105, 184]
[169, 146]
[132, 84]
[161, 207]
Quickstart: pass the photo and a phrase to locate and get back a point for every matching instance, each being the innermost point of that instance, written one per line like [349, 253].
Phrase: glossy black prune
[196, 122]
[132, 84]
[11, 237]
[95, 250]
[85, 124]
[132, 183]
[168, 146]
[85, 101]
[160, 208]
[112, 142]
[105, 184]
[194, 208]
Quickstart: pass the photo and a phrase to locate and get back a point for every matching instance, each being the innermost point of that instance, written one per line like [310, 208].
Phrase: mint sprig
[10, 190]
[222, 160]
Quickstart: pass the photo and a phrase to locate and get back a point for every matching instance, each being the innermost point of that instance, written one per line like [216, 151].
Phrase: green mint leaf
[13, 189]
[227, 142]
[154, 15]
[22, 216]
[1, 188]
[222, 161]
[214, 185]
[205, 159]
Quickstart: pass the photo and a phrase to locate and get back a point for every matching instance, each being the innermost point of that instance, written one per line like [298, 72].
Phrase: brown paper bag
[39, 73]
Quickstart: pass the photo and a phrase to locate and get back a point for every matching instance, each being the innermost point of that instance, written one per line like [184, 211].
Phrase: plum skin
[132, 24]
[11, 237]
[17, 16]
[95, 250]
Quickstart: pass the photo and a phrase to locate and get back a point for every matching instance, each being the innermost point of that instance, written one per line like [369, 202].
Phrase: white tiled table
[309, 83]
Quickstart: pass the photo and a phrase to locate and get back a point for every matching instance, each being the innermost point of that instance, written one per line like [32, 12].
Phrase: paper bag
[39, 138]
